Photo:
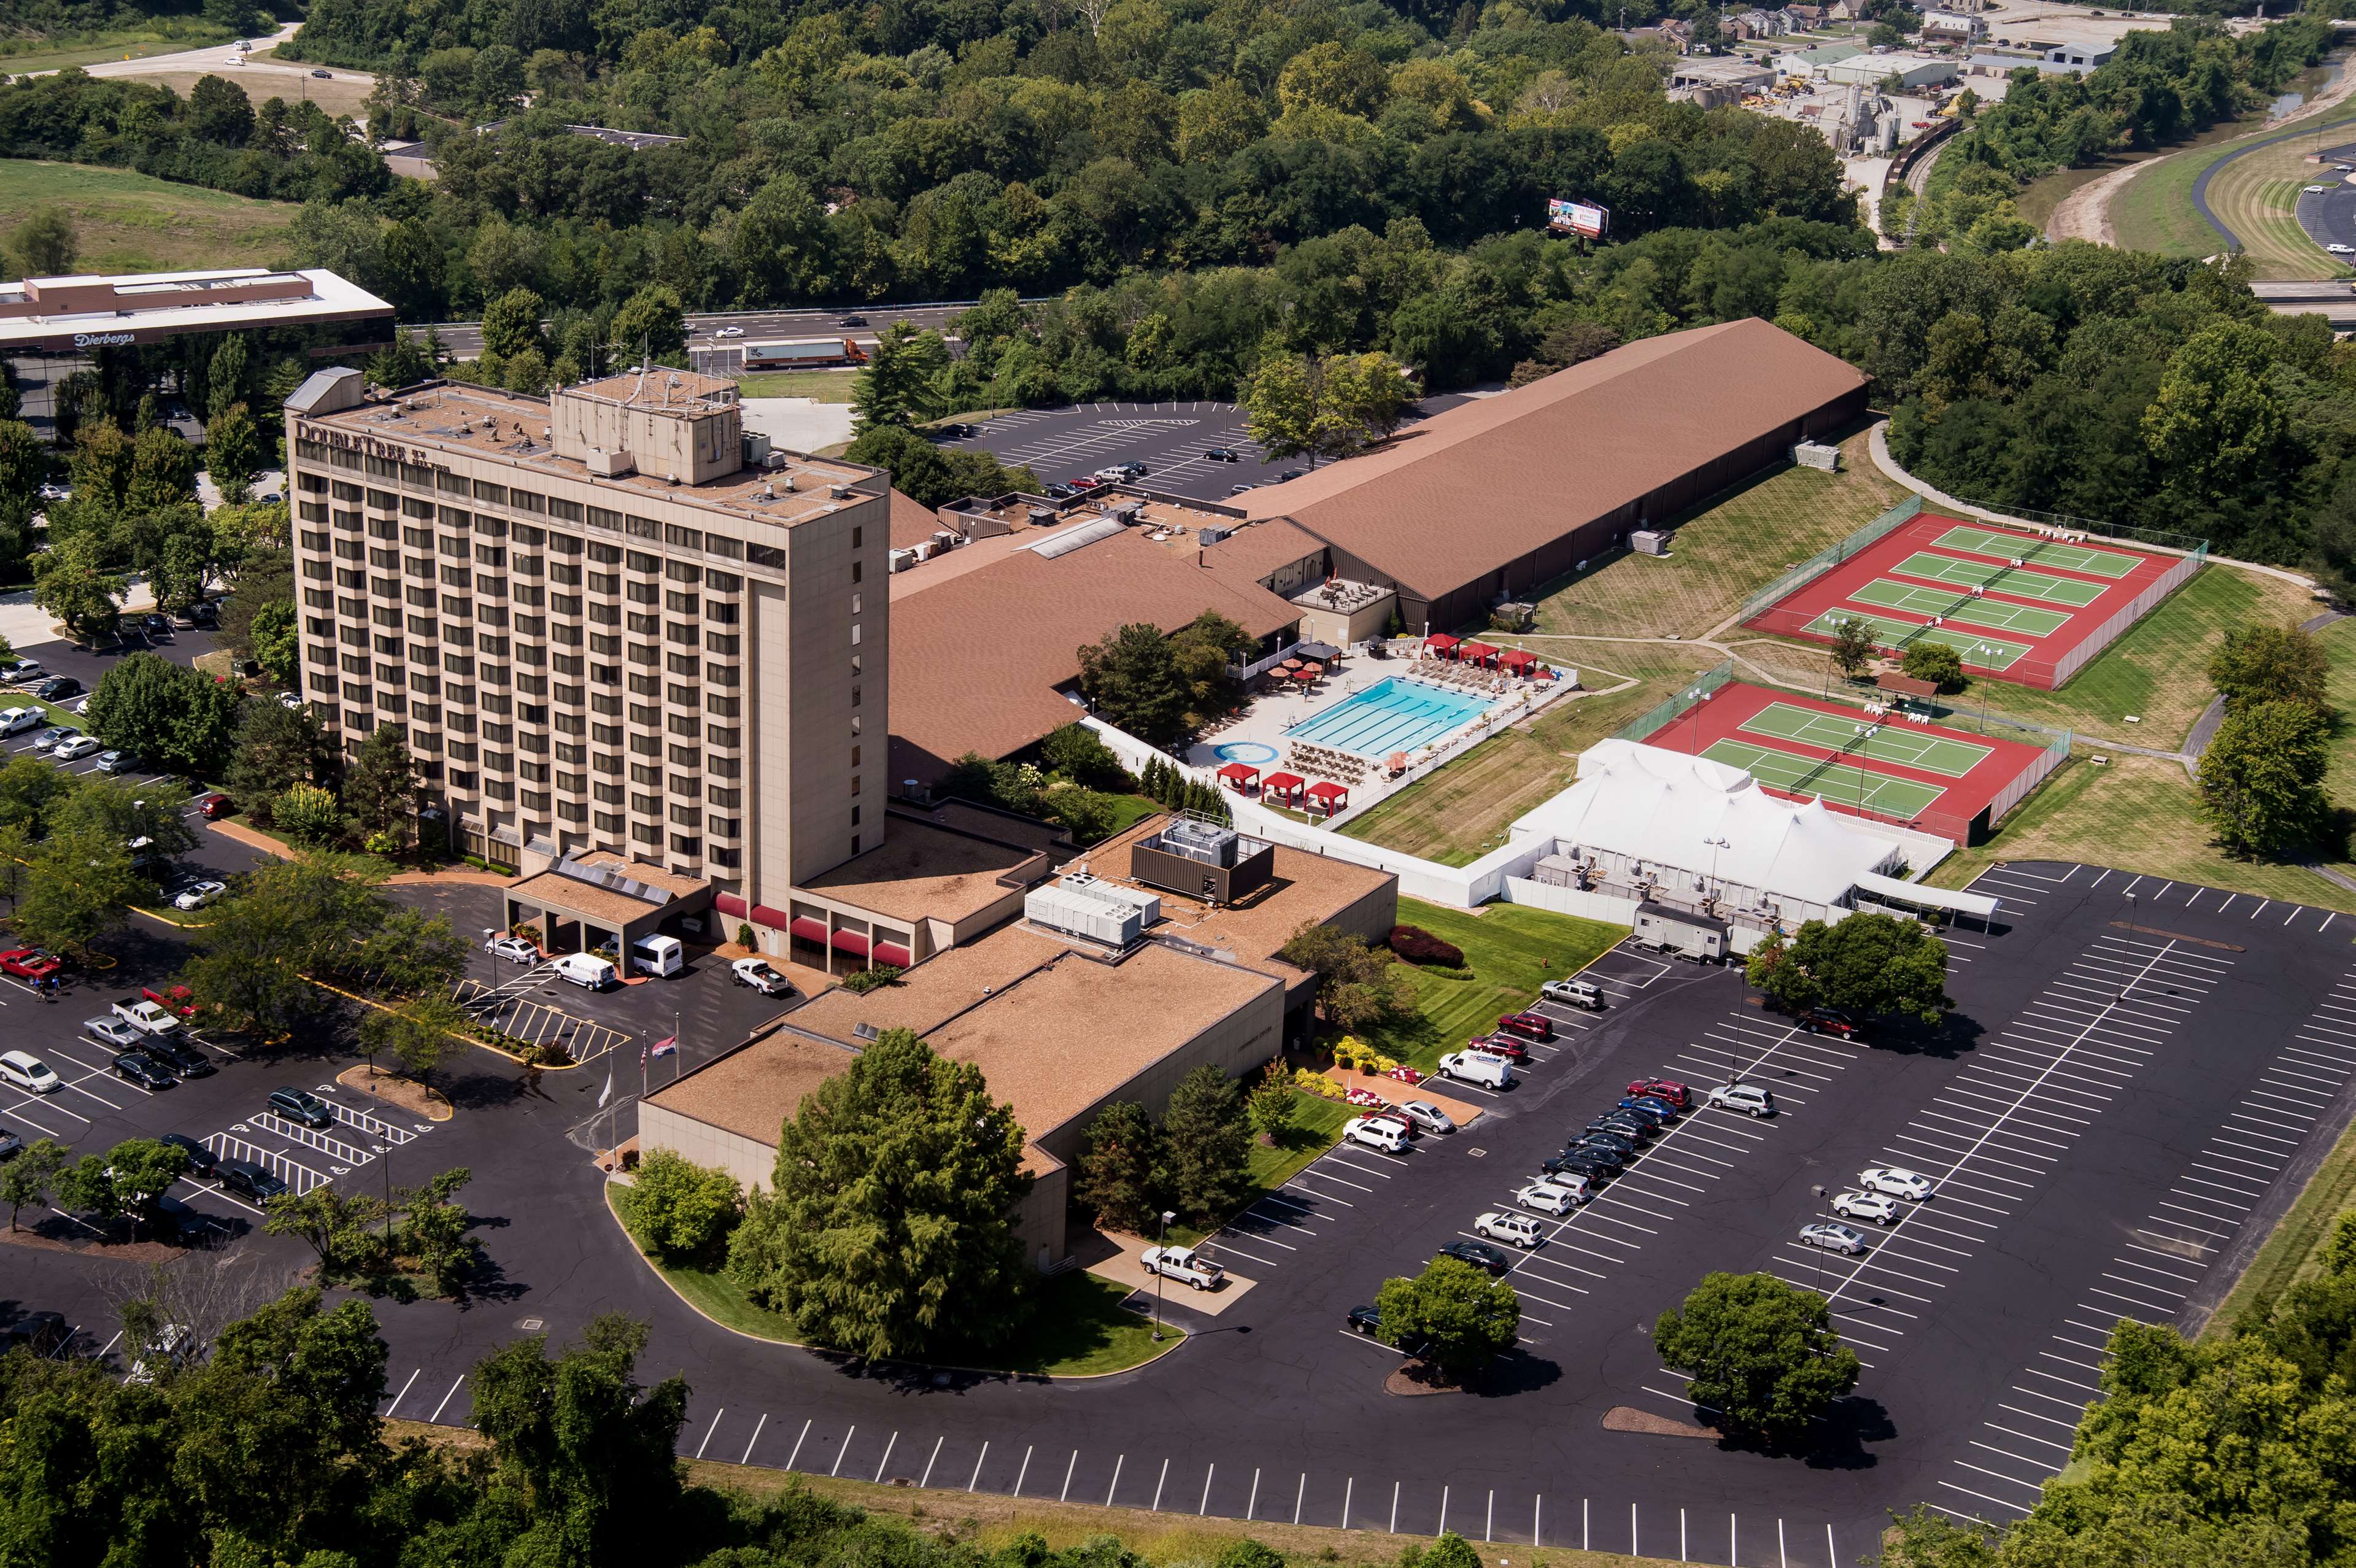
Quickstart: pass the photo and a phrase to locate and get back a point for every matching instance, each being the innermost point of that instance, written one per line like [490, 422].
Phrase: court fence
[2124, 533]
[1688, 692]
[1797, 578]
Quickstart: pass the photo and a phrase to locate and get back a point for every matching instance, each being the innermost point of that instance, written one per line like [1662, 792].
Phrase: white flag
[609, 1094]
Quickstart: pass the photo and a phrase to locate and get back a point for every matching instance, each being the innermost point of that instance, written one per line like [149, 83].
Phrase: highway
[464, 340]
[214, 59]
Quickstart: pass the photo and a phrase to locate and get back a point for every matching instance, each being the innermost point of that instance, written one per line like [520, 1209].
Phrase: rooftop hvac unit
[901, 560]
[1649, 541]
[1205, 841]
[1127, 511]
[1082, 906]
[1212, 532]
[1042, 516]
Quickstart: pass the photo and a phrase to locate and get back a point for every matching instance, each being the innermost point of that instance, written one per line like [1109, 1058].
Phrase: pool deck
[1269, 715]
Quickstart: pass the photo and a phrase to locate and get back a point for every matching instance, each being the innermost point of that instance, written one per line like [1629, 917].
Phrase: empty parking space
[512, 1009]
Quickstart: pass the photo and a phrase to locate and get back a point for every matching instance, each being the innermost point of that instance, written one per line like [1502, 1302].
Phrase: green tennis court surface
[2049, 552]
[1900, 798]
[1981, 652]
[2020, 583]
[2027, 619]
[1898, 742]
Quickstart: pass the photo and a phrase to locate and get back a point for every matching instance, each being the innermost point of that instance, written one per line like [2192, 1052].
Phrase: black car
[144, 1071]
[1365, 1320]
[245, 1177]
[852, 320]
[157, 625]
[1636, 1129]
[1288, 474]
[1655, 1117]
[1652, 1103]
[57, 688]
[1595, 1164]
[1627, 1143]
[1613, 1155]
[297, 1106]
[201, 1160]
[1224, 455]
[1059, 492]
[39, 1332]
[1480, 1254]
[179, 1056]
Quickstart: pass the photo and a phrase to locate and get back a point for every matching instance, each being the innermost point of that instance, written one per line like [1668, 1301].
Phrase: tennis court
[1837, 782]
[1981, 652]
[2021, 582]
[2027, 619]
[2045, 552]
[1899, 742]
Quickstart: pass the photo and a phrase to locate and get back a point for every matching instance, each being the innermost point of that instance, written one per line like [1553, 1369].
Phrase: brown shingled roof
[1489, 481]
[913, 522]
[976, 658]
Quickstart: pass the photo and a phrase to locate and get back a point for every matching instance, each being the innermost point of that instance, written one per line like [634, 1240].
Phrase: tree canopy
[1452, 1314]
[1760, 1354]
[2262, 777]
[1868, 963]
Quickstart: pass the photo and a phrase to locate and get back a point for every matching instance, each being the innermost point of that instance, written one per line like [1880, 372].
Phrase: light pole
[1160, 1241]
[1698, 697]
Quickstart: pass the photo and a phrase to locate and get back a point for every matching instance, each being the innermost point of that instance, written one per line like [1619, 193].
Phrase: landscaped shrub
[1416, 945]
[874, 977]
[308, 814]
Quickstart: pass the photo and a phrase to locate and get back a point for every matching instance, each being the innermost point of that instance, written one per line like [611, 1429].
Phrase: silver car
[1426, 1115]
[113, 1032]
[1834, 1238]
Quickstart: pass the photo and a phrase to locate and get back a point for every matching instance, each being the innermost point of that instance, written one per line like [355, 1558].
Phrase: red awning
[809, 929]
[1241, 772]
[892, 953]
[1281, 783]
[773, 919]
[1476, 651]
[729, 904]
[850, 942]
[1514, 657]
[1441, 641]
[1322, 791]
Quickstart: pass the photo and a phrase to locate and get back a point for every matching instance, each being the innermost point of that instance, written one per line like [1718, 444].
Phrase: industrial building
[1908, 69]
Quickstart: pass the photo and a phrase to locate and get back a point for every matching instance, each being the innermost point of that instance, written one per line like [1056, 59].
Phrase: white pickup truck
[145, 1016]
[1181, 1263]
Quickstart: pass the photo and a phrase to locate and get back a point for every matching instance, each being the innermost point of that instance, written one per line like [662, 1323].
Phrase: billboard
[1578, 218]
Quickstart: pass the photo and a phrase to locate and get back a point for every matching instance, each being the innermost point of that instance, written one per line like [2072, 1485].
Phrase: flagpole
[678, 1057]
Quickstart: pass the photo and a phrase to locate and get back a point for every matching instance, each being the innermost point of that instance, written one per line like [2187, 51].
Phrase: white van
[586, 969]
[1476, 1067]
[658, 955]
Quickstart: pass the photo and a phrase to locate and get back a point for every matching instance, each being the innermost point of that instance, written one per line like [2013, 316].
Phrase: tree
[1272, 1108]
[1855, 644]
[433, 1229]
[28, 1178]
[1208, 1144]
[420, 1033]
[1279, 402]
[1452, 1315]
[163, 471]
[2262, 779]
[652, 323]
[45, 244]
[175, 716]
[284, 920]
[1084, 815]
[1121, 1177]
[232, 453]
[1359, 987]
[333, 1223]
[682, 1209]
[890, 1232]
[68, 583]
[935, 476]
[380, 785]
[1868, 964]
[900, 383]
[80, 887]
[590, 1455]
[125, 810]
[143, 1168]
[274, 643]
[2270, 664]
[1937, 663]
[87, 1187]
[1764, 1355]
[1075, 752]
[276, 748]
[309, 814]
[511, 324]
[1133, 680]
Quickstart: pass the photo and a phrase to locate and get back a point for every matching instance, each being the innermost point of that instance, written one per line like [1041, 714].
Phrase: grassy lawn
[1316, 1126]
[2154, 211]
[131, 223]
[158, 35]
[1734, 546]
[345, 95]
[819, 386]
[1078, 1329]
[1460, 813]
[2289, 1254]
[1511, 950]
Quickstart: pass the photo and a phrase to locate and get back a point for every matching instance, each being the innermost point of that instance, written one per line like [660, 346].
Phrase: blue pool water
[1250, 753]
[1391, 716]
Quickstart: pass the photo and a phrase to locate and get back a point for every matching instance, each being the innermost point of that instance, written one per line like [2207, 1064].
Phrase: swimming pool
[1391, 716]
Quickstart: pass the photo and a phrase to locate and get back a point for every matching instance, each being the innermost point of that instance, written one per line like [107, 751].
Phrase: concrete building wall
[749, 1160]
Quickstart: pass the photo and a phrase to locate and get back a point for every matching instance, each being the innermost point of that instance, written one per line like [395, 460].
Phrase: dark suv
[297, 1106]
[245, 1177]
[183, 1059]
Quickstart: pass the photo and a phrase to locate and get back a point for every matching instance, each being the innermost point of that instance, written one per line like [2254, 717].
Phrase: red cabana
[1331, 796]
[1441, 642]
[1243, 773]
[1518, 658]
[1478, 652]
[1286, 785]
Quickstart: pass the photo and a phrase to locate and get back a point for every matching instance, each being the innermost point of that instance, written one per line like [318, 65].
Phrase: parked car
[111, 762]
[256, 1182]
[134, 1067]
[213, 805]
[74, 749]
[1475, 1066]
[1745, 1097]
[1059, 491]
[1574, 993]
[112, 1031]
[1554, 1198]
[1515, 1229]
[756, 974]
[1833, 1238]
[201, 1160]
[147, 1016]
[1241, 489]
[1500, 1045]
[1597, 1165]
[50, 739]
[515, 950]
[1879, 1206]
[29, 963]
[1375, 1134]
[1288, 474]
[1529, 1025]
[297, 1105]
[1480, 1254]
[1182, 1264]
[30, 1072]
[587, 970]
[1134, 470]
[10, 1145]
[1829, 1021]
[1427, 1115]
[1365, 1320]
[184, 1060]
[169, 1351]
[1652, 1116]
[1668, 1089]
[197, 895]
[1112, 474]
[1612, 1135]
[292, 701]
[17, 721]
[1652, 1103]
[58, 688]
[1895, 1180]
[23, 671]
[1224, 455]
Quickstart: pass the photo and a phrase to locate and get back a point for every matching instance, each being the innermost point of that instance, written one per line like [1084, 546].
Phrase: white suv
[1375, 1134]
[1747, 1097]
[1521, 1229]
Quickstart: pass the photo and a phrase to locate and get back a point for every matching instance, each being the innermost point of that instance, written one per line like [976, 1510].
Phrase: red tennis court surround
[1737, 719]
[1954, 580]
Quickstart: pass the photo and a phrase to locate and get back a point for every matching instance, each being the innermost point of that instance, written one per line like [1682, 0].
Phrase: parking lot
[1061, 445]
